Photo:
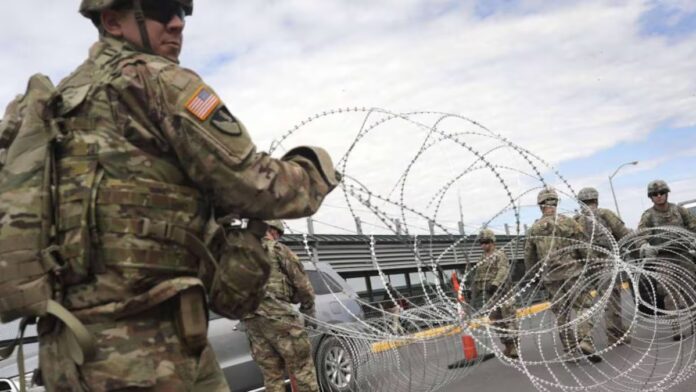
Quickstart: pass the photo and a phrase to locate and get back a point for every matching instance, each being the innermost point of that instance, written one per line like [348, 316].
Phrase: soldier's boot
[511, 350]
[587, 348]
[676, 331]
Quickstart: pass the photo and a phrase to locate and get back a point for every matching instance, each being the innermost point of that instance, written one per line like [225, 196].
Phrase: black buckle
[51, 260]
[144, 227]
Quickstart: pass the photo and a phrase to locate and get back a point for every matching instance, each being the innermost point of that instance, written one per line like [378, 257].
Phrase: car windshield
[323, 283]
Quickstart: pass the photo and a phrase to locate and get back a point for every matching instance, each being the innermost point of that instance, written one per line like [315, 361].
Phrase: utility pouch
[242, 268]
[191, 318]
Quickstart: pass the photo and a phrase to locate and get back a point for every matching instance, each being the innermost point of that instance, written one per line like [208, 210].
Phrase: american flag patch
[202, 103]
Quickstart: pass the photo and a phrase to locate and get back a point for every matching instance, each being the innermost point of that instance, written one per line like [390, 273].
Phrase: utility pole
[611, 184]
[358, 225]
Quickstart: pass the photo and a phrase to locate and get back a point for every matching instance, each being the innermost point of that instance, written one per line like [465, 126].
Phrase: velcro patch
[202, 103]
[225, 122]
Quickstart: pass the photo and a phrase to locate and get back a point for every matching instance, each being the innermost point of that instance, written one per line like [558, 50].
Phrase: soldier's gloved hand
[647, 251]
[309, 322]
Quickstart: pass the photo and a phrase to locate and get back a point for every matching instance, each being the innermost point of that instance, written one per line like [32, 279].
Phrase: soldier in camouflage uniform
[549, 247]
[594, 221]
[277, 336]
[660, 249]
[490, 278]
[150, 151]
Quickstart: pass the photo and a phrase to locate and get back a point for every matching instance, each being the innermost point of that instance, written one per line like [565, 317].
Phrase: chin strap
[140, 18]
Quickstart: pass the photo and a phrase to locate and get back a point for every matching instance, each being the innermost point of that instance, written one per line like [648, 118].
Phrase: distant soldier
[594, 220]
[277, 336]
[553, 241]
[490, 279]
[660, 249]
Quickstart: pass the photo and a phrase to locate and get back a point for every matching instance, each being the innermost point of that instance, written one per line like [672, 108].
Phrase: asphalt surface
[652, 361]
[640, 371]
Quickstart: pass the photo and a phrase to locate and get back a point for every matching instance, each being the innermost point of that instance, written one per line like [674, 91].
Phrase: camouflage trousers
[671, 296]
[612, 314]
[139, 353]
[675, 297]
[503, 317]
[563, 303]
[278, 345]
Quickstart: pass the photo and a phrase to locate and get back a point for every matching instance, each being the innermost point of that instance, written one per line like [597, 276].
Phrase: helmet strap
[140, 18]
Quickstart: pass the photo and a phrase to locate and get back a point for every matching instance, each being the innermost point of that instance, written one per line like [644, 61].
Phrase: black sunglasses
[485, 242]
[658, 193]
[163, 11]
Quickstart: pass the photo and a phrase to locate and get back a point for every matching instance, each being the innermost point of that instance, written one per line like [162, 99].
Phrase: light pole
[612, 184]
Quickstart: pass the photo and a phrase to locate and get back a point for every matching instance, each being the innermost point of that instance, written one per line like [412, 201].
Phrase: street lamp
[612, 184]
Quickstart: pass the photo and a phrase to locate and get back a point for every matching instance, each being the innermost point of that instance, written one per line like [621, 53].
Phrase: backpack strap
[84, 349]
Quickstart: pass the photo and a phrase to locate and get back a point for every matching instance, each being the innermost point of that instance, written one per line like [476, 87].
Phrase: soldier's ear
[112, 22]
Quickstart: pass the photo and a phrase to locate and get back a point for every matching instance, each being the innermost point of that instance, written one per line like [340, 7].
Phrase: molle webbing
[161, 231]
[28, 267]
[111, 208]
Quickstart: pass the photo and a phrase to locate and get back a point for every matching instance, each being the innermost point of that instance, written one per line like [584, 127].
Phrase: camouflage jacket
[674, 216]
[549, 240]
[608, 220]
[287, 284]
[151, 151]
[492, 269]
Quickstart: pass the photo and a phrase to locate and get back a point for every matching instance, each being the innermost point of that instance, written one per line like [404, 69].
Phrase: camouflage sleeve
[218, 154]
[503, 269]
[579, 236]
[581, 220]
[304, 293]
[531, 256]
[688, 218]
[616, 225]
[645, 221]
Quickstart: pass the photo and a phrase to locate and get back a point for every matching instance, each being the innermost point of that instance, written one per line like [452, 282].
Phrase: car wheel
[336, 368]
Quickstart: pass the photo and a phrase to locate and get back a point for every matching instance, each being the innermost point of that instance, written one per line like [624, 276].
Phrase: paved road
[644, 364]
[624, 368]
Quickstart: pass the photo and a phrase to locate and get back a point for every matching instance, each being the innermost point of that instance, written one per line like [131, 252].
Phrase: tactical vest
[278, 284]
[487, 268]
[553, 239]
[125, 206]
[671, 217]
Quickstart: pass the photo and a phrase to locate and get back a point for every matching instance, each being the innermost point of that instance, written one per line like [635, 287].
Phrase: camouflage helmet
[276, 224]
[588, 193]
[545, 194]
[89, 8]
[487, 235]
[657, 186]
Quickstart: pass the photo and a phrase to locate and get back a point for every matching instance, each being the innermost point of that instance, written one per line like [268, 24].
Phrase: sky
[585, 86]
